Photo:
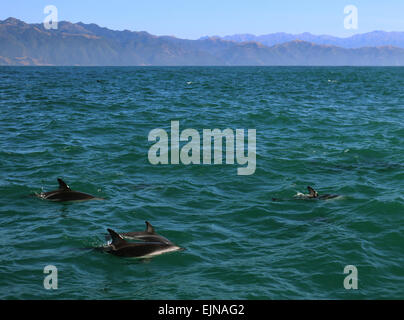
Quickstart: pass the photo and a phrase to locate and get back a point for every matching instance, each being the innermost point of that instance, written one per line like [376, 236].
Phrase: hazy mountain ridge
[91, 45]
[370, 39]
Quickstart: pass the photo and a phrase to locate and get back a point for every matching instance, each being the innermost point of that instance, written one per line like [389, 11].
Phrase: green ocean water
[340, 130]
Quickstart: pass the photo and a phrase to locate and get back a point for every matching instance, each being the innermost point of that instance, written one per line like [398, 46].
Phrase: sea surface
[339, 130]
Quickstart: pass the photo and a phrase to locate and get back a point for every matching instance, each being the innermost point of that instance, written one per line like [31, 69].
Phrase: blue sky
[192, 19]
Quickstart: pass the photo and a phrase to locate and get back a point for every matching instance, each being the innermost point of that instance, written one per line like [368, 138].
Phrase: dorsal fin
[63, 185]
[313, 193]
[116, 238]
[149, 227]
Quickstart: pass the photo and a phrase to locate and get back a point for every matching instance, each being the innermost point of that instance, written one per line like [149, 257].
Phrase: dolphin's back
[61, 195]
[64, 193]
[144, 236]
[122, 248]
[149, 235]
[138, 249]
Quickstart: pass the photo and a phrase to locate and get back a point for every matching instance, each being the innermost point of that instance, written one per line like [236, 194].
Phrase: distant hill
[370, 39]
[91, 45]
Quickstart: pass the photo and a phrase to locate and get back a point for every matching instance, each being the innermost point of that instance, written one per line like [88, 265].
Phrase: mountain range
[80, 44]
[370, 39]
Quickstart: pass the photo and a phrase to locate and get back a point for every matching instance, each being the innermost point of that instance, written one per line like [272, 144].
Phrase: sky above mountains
[194, 19]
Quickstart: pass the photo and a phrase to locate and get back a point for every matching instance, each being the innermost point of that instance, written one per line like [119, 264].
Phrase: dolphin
[64, 193]
[313, 194]
[122, 248]
[149, 235]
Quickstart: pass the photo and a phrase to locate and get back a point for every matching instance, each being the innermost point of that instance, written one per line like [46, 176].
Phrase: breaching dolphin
[145, 249]
[64, 193]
